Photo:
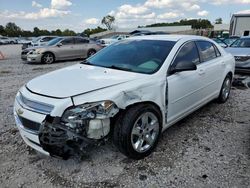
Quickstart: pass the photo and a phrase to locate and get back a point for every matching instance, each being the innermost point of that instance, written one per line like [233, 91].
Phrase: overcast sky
[81, 14]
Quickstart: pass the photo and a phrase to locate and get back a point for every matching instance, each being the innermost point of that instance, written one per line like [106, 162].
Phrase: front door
[184, 88]
[67, 50]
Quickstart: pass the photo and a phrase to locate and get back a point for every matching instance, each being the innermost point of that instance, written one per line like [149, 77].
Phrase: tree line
[195, 23]
[12, 30]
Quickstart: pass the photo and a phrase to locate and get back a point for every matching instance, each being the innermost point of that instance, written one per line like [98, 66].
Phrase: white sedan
[130, 91]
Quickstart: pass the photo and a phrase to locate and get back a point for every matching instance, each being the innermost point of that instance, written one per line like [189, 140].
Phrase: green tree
[108, 21]
[2, 30]
[12, 30]
[58, 32]
[195, 23]
[36, 32]
[218, 21]
[93, 31]
[68, 32]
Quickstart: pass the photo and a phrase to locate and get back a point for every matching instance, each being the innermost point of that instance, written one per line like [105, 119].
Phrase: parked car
[62, 48]
[7, 40]
[131, 91]
[38, 41]
[220, 42]
[240, 49]
[111, 40]
[149, 33]
[42, 40]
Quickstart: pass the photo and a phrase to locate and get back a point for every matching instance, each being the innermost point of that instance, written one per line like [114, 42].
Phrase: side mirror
[59, 44]
[184, 66]
[119, 38]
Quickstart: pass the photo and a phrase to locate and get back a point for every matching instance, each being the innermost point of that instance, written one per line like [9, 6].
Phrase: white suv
[130, 91]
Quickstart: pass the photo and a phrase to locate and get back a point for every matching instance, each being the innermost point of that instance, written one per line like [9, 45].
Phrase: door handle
[201, 72]
[223, 63]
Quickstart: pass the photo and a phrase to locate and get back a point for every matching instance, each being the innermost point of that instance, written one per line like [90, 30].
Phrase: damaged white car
[130, 92]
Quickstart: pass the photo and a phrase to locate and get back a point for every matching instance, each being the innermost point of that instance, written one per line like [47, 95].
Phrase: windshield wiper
[85, 62]
[119, 68]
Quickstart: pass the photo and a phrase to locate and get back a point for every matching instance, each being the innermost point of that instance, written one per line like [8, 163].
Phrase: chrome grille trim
[34, 106]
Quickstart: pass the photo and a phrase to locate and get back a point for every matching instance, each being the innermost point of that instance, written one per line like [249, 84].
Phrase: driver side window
[188, 53]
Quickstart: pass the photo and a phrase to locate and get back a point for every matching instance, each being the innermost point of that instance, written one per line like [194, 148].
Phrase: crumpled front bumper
[30, 138]
[51, 138]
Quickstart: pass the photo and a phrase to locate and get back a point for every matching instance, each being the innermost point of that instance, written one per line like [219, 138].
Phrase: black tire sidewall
[126, 125]
[46, 54]
[220, 98]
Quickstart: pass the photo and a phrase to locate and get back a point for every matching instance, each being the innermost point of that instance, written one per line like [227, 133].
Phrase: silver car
[240, 49]
[62, 48]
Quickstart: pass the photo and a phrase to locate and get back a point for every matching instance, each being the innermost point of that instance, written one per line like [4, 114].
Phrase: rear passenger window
[207, 50]
[46, 39]
[218, 54]
[68, 41]
[81, 41]
[188, 53]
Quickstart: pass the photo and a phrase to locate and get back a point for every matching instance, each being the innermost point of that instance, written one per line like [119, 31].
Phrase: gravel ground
[210, 148]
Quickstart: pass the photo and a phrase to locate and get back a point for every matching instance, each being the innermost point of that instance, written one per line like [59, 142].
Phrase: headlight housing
[96, 110]
[35, 51]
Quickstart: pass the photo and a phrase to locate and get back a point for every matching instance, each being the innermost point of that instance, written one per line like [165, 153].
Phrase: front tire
[137, 131]
[225, 89]
[48, 58]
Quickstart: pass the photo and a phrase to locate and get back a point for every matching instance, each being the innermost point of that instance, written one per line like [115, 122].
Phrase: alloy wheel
[226, 88]
[145, 132]
[48, 58]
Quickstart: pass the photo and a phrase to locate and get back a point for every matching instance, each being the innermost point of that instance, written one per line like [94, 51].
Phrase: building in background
[240, 24]
[187, 29]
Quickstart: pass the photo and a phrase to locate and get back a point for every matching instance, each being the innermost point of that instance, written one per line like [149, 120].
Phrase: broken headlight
[96, 110]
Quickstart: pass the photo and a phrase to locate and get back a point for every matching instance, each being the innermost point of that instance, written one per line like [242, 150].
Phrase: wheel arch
[51, 53]
[140, 103]
[230, 74]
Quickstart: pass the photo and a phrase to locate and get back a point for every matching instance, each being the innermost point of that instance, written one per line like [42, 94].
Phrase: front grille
[33, 105]
[30, 125]
[241, 58]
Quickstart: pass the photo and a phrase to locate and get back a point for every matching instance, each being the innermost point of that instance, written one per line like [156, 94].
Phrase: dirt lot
[210, 148]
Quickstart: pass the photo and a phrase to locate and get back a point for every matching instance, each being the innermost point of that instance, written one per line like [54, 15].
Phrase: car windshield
[141, 56]
[54, 41]
[36, 39]
[114, 37]
[241, 43]
[229, 41]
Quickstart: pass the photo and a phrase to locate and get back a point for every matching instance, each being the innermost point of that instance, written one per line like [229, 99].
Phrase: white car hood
[79, 79]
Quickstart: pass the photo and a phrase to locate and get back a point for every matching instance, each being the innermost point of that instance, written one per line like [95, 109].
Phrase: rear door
[67, 50]
[82, 47]
[212, 68]
[184, 88]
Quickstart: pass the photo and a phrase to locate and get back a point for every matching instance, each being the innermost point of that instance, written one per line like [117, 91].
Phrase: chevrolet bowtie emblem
[19, 111]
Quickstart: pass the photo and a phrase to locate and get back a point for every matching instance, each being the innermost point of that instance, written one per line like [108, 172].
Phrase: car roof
[169, 37]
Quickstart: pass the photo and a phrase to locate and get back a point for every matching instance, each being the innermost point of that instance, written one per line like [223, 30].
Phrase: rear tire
[91, 52]
[137, 130]
[48, 58]
[225, 89]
